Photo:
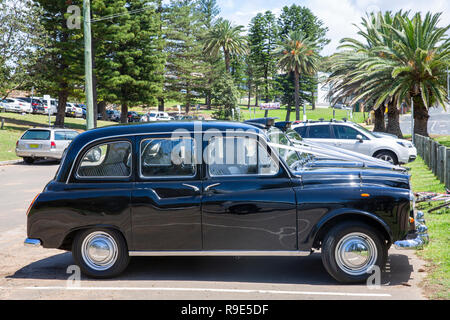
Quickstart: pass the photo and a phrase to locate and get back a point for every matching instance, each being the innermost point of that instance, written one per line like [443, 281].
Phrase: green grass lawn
[437, 253]
[443, 140]
[325, 113]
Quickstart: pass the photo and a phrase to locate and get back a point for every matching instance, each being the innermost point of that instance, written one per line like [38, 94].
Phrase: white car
[17, 105]
[156, 116]
[73, 110]
[44, 143]
[353, 137]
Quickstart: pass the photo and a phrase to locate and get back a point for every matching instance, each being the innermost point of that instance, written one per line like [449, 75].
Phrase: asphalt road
[36, 273]
[438, 123]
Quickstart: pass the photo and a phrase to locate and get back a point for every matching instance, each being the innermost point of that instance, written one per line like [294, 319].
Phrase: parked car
[17, 105]
[73, 110]
[354, 137]
[83, 108]
[53, 109]
[113, 115]
[36, 104]
[324, 155]
[155, 116]
[44, 143]
[133, 116]
[139, 190]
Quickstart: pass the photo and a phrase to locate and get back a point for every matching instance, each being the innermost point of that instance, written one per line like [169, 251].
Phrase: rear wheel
[351, 249]
[28, 160]
[100, 253]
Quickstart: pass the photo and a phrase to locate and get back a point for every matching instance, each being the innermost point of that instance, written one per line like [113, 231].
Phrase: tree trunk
[249, 95]
[102, 109]
[288, 113]
[379, 120]
[296, 95]
[227, 60]
[420, 117]
[161, 104]
[256, 96]
[61, 112]
[313, 101]
[393, 125]
[124, 114]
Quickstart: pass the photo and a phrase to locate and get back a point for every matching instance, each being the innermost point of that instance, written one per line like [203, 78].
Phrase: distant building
[323, 90]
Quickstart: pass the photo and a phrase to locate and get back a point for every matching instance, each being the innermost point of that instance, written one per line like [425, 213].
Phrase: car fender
[347, 212]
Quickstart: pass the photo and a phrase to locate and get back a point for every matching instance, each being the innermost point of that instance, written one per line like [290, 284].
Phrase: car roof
[319, 122]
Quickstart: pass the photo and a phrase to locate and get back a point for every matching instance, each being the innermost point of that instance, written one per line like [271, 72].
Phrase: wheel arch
[320, 230]
[68, 239]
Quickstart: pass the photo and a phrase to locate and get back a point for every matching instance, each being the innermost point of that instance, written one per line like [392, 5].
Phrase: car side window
[346, 132]
[319, 132]
[167, 157]
[112, 159]
[301, 131]
[235, 156]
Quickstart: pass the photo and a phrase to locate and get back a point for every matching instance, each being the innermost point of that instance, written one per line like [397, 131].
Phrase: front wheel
[351, 249]
[100, 253]
[387, 156]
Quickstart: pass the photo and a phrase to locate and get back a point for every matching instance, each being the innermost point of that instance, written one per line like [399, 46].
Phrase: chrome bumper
[418, 239]
[32, 242]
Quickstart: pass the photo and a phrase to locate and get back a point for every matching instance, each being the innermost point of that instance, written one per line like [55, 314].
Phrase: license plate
[33, 146]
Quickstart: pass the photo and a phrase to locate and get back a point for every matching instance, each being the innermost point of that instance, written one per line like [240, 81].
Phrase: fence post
[440, 163]
[427, 154]
[447, 167]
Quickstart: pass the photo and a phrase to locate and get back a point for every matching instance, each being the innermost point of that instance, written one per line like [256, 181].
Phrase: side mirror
[360, 138]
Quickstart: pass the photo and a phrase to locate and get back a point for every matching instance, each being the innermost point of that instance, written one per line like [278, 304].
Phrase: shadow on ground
[292, 270]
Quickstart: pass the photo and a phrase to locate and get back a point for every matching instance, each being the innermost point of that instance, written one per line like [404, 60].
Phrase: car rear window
[36, 135]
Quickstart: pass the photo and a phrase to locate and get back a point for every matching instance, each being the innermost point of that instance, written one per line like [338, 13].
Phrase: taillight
[32, 202]
[53, 145]
[17, 143]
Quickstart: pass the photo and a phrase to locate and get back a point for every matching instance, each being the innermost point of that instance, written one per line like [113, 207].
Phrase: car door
[320, 134]
[248, 201]
[346, 138]
[166, 199]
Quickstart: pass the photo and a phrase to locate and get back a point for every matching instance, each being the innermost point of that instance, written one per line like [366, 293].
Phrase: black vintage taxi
[217, 188]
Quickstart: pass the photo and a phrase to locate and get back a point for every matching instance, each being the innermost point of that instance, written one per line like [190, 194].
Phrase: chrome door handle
[211, 186]
[196, 189]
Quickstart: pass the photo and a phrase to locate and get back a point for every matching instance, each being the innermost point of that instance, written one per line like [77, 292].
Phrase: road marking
[348, 294]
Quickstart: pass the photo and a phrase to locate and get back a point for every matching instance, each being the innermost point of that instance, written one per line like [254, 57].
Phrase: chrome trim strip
[32, 242]
[217, 253]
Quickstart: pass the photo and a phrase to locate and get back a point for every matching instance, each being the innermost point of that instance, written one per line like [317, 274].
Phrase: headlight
[405, 144]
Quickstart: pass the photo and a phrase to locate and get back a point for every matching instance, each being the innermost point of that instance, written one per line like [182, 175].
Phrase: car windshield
[36, 135]
[367, 132]
[294, 159]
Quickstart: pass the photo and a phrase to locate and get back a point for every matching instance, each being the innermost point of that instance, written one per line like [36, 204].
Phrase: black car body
[135, 190]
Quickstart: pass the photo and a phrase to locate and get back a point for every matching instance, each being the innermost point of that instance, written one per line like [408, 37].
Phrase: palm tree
[298, 54]
[223, 36]
[401, 58]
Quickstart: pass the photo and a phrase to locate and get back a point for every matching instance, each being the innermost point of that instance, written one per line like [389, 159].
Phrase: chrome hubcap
[387, 158]
[99, 250]
[356, 253]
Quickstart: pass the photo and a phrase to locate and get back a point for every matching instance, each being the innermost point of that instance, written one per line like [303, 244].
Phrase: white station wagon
[44, 143]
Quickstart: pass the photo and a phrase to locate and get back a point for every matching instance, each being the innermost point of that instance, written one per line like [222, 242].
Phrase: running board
[217, 253]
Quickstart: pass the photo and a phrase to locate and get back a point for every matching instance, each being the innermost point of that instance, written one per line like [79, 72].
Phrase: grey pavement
[438, 123]
[37, 273]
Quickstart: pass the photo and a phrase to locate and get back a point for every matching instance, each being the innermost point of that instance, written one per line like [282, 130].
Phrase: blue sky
[337, 15]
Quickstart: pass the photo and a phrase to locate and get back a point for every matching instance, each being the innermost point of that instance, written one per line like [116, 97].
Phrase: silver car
[44, 143]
